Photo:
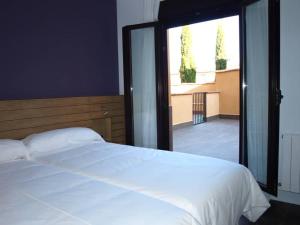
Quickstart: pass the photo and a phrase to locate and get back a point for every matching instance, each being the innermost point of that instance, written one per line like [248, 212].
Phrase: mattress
[35, 194]
[213, 191]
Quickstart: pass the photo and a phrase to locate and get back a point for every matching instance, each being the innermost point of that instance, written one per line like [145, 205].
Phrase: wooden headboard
[104, 114]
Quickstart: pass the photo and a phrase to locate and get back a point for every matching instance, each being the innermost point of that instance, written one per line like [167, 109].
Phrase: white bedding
[35, 194]
[213, 191]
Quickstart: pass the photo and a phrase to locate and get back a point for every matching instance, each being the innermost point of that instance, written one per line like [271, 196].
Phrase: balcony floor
[218, 138]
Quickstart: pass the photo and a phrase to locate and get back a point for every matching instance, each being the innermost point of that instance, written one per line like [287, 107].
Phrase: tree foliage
[221, 61]
[187, 67]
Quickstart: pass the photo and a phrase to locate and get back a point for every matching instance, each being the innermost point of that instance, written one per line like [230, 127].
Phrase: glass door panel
[257, 94]
[144, 87]
[261, 85]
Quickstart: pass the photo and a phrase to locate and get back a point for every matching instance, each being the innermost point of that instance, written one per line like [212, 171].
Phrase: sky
[204, 36]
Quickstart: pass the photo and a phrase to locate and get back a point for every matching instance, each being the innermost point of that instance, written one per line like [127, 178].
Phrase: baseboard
[182, 125]
[284, 196]
[212, 118]
[232, 117]
[221, 116]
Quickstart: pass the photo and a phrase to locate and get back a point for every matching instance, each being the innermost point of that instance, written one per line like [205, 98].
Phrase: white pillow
[60, 139]
[11, 150]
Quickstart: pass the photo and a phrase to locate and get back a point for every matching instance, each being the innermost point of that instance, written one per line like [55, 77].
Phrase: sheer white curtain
[144, 87]
[257, 76]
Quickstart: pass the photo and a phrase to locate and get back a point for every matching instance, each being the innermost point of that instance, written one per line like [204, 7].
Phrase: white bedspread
[35, 194]
[213, 191]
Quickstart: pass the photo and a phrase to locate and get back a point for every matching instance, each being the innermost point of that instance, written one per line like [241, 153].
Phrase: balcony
[217, 138]
[206, 117]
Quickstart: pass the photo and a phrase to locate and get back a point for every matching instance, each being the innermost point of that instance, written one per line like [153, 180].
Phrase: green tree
[221, 61]
[187, 67]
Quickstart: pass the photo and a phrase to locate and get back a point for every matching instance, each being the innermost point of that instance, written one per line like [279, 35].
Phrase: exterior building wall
[227, 84]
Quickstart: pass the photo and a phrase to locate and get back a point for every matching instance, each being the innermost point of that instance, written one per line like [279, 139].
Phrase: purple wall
[58, 48]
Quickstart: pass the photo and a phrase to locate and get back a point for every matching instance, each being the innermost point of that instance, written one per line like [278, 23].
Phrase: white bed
[212, 191]
[35, 194]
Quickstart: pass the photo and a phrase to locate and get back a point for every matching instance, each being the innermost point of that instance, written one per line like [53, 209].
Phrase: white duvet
[35, 194]
[213, 191]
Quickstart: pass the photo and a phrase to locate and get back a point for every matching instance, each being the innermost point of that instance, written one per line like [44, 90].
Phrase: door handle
[279, 97]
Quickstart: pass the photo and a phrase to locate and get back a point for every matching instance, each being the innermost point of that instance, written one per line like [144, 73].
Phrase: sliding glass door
[144, 87]
[146, 80]
[142, 90]
[261, 85]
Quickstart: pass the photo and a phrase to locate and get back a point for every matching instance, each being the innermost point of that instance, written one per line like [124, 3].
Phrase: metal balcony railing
[199, 108]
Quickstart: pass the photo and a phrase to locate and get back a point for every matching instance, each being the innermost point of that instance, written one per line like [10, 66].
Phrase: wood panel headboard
[104, 114]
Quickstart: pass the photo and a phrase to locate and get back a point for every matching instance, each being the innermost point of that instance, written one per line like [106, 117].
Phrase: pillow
[60, 139]
[11, 150]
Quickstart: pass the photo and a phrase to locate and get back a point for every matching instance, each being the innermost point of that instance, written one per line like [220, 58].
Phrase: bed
[213, 191]
[140, 186]
[34, 194]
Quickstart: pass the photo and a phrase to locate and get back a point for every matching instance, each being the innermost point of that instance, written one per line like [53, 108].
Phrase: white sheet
[35, 194]
[12, 150]
[213, 191]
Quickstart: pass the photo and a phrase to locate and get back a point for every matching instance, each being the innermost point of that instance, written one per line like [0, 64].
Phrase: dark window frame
[162, 137]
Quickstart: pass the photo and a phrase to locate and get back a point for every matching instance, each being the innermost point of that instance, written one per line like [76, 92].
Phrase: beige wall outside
[212, 104]
[227, 84]
[182, 107]
[192, 88]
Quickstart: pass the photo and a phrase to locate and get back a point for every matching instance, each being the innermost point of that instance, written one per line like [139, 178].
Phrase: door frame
[167, 23]
[275, 93]
[195, 12]
[208, 10]
[198, 16]
[161, 90]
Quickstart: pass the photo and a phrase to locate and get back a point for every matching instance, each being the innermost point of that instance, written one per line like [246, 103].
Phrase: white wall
[290, 77]
[129, 12]
[290, 66]
[132, 12]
